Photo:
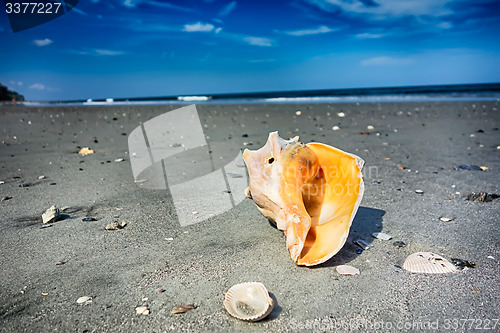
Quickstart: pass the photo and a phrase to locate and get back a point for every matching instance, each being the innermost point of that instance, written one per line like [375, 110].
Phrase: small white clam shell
[428, 262]
[248, 301]
[84, 300]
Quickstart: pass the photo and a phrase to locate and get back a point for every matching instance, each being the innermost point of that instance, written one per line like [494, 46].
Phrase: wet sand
[122, 269]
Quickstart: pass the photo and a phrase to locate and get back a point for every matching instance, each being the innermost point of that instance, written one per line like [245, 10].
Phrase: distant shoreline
[459, 92]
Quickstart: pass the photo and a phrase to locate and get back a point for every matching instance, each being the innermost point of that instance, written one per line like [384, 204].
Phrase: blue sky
[138, 48]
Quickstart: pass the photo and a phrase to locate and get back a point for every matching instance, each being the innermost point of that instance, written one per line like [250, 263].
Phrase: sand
[122, 269]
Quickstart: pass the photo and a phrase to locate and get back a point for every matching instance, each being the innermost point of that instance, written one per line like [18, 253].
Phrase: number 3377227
[32, 8]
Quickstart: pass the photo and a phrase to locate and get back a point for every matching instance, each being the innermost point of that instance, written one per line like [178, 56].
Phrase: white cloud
[38, 86]
[168, 5]
[368, 35]
[387, 61]
[130, 3]
[203, 27]
[96, 52]
[445, 25]
[258, 41]
[14, 83]
[227, 8]
[319, 30]
[162, 4]
[262, 60]
[103, 52]
[42, 42]
[218, 30]
[387, 8]
[42, 87]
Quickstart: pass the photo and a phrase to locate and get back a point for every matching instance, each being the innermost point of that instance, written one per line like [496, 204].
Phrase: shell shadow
[276, 310]
[367, 221]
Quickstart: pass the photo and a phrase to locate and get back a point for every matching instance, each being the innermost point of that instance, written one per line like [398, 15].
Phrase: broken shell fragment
[248, 301]
[84, 300]
[469, 167]
[399, 244]
[183, 308]
[446, 219]
[428, 262]
[116, 226]
[51, 215]
[310, 191]
[482, 196]
[381, 235]
[461, 263]
[347, 270]
[85, 151]
[142, 310]
[363, 244]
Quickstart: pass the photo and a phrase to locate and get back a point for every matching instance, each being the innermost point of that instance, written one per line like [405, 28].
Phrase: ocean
[462, 92]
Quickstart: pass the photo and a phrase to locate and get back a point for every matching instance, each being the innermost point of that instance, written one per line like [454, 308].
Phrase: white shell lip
[428, 262]
[248, 301]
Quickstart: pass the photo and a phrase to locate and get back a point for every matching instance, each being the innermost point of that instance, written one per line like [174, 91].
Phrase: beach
[406, 146]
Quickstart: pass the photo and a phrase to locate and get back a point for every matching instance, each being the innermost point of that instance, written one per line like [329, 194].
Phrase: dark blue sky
[133, 48]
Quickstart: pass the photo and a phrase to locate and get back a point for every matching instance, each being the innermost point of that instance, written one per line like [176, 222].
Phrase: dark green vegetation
[7, 95]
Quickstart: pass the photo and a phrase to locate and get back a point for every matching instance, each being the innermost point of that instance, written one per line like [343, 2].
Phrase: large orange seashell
[310, 191]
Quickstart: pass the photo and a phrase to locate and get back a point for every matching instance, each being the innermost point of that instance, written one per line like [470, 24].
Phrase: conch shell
[310, 191]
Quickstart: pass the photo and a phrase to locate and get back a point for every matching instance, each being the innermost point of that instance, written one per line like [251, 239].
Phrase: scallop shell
[428, 262]
[311, 191]
[248, 301]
